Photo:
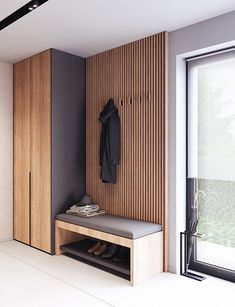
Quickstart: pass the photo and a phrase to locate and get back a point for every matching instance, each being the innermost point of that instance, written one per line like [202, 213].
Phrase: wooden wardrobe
[49, 143]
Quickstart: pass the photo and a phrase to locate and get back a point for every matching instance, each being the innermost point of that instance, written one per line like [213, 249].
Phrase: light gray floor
[30, 278]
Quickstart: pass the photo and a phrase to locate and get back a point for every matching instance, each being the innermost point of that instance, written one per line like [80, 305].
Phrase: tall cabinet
[49, 143]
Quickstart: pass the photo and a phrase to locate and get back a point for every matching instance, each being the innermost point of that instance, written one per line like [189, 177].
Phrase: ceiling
[87, 27]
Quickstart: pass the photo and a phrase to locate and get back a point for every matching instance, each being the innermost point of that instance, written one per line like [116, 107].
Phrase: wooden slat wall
[135, 76]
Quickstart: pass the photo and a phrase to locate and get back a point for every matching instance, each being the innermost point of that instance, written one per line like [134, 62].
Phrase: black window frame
[196, 265]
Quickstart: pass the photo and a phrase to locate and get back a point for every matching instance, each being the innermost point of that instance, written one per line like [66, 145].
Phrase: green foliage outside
[216, 211]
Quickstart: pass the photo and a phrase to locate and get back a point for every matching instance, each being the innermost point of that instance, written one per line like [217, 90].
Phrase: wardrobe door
[22, 151]
[41, 151]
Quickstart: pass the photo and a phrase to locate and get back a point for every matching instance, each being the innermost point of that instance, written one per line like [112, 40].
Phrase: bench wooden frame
[146, 252]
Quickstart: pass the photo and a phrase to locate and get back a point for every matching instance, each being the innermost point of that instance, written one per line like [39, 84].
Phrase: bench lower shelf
[146, 253]
[80, 248]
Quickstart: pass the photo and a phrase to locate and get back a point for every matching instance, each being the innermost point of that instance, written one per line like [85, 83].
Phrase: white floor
[30, 278]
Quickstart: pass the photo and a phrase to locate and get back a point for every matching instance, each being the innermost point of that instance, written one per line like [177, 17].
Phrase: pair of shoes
[94, 247]
[117, 253]
[101, 250]
[111, 251]
[97, 249]
[114, 251]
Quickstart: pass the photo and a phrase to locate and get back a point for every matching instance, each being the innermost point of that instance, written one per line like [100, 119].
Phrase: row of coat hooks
[130, 100]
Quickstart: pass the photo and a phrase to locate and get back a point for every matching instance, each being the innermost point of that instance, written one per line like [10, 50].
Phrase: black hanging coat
[110, 142]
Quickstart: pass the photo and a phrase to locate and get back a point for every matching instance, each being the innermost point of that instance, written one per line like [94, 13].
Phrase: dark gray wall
[68, 131]
[211, 34]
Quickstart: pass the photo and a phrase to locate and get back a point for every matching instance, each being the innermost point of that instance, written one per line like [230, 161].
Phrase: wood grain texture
[22, 151]
[136, 77]
[94, 233]
[41, 151]
[146, 257]
[63, 237]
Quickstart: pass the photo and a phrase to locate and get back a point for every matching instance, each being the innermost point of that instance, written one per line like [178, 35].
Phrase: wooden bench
[145, 240]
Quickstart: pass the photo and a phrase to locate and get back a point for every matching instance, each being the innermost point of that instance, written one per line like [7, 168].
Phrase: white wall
[6, 151]
[212, 34]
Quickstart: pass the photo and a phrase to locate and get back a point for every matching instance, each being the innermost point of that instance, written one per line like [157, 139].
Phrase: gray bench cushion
[123, 227]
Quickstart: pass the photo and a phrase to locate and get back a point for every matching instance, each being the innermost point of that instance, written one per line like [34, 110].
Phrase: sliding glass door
[211, 161]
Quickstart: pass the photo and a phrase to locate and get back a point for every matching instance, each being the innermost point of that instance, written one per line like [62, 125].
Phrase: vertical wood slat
[135, 75]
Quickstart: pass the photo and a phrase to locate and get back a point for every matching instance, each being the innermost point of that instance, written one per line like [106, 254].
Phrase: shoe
[111, 251]
[94, 247]
[122, 255]
[101, 250]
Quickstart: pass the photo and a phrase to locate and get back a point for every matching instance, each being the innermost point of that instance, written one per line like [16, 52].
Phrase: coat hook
[120, 102]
